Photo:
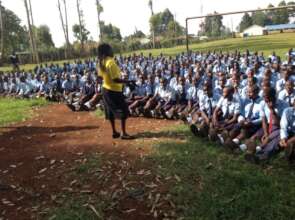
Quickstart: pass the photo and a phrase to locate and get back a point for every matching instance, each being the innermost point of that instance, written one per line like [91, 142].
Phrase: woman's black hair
[104, 50]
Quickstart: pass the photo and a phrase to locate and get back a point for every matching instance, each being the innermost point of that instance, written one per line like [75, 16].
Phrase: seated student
[225, 115]
[139, 94]
[285, 76]
[24, 89]
[287, 138]
[12, 87]
[288, 94]
[67, 86]
[207, 102]
[192, 102]
[161, 100]
[77, 88]
[138, 107]
[57, 90]
[97, 98]
[45, 88]
[249, 121]
[87, 93]
[271, 112]
[245, 91]
[220, 85]
[181, 91]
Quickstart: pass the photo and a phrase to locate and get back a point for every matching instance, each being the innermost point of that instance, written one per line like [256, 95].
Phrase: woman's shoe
[116, 135]
[127, 137]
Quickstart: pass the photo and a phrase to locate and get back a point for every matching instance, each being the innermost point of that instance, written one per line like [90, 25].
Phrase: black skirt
[115, 105]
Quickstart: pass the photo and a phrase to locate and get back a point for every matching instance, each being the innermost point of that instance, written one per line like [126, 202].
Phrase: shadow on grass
[217, 185]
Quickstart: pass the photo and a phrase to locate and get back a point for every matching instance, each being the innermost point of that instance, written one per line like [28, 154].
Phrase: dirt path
[51, 155]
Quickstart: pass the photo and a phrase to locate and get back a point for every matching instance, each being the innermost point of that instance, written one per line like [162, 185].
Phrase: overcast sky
[128, 14]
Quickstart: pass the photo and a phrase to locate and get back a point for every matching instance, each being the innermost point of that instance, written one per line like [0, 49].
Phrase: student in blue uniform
[249, 122]
[225, 115]
[287, 131]
[207, 102]
[288, 94]
[271, 112]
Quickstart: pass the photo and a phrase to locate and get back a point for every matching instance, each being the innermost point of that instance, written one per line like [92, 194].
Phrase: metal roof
[279, 27]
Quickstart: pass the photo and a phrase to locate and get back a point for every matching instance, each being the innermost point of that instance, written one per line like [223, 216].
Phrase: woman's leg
[123, 127]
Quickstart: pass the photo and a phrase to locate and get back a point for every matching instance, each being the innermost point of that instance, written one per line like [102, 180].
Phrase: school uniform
[287, 123]
[208, 104]
[274, 131]
[289, 98]
[67, 86]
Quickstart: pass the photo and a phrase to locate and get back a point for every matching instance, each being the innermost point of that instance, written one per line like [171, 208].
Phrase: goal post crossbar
[229, 13]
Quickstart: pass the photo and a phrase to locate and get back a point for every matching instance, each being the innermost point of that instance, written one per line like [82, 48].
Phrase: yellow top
[112, 72]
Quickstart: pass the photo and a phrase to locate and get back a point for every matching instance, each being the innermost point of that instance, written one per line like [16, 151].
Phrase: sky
[129, 15]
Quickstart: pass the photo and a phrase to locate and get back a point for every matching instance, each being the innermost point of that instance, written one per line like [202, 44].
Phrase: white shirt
[279, 108]
[287, 123]
[283, 95]
[205, 103]
[228, 107]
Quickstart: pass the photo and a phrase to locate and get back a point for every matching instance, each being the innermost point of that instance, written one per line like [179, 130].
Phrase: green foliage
[15, 110]
[216, 185]
[164, 24]
[77, 33]
[246, 22]
[281, 16]
[44, 38]
[15, 35]
[213, 26]
[110, 32]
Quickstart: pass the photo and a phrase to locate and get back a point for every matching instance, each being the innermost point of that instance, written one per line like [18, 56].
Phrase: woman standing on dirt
[114, 100]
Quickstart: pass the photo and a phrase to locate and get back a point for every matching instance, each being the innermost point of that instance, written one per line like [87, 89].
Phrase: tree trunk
[2, 35]
[34, 32]
[98, 19]
[67, 26]
[80, 24]
[63, 28]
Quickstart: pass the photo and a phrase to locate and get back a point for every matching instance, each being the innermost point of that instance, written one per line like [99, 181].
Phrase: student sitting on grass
[225, 115]
[249, 121]
[287, 138]
[288, 94]
[202, 119]
[271, 112]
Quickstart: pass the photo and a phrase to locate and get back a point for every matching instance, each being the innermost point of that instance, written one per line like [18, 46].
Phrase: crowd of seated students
[76, 84]
[242, 100]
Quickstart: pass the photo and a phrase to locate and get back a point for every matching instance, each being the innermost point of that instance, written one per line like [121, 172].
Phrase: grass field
[15, 110]
[280, 43]
[215, 185]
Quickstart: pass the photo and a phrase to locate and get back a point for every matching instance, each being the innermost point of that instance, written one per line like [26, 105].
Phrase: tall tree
[31, 33]
[44, 37]
[110, 32]
[81, 24]
[152, 14]
[15, 36]
[246, 22]
[65, 27]
[281, 16]
[260, 18]
[99, 9]
[2, 34]
[291, 11]
[80, 33]
[213, 25]
[159, 22]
